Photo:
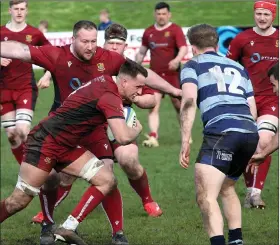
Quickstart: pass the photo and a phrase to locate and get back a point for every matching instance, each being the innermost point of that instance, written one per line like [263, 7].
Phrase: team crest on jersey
[167, 34]
[100, 67]
[28, 38]
[277, 44]
[5, 38]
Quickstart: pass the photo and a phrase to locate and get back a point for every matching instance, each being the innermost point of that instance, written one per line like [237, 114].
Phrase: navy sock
[235, 236]
[218, 240]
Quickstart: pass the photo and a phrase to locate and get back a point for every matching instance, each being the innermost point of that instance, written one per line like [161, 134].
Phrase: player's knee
[227, 192]
[130, 164]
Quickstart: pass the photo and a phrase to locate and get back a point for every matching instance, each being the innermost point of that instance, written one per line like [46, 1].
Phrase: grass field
[172, 187]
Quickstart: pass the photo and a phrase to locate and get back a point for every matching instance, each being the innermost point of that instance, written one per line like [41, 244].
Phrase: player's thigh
[247, 145]
[32, 175]
[208, 182]
[267, 128]
[25, 105]
[126, 155]
[228, 187]
[97, 142]
[8, 119]
[89, 168]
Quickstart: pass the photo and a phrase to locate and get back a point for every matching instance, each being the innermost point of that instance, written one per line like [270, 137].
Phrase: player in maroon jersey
[168, 47]
[127, 156]
[17, 82]
[51, 142]
[259, 157]
[257, 49]
[70, 66]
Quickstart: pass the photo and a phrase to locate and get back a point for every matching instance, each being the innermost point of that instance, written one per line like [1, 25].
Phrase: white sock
[254, 191]
[71, 223]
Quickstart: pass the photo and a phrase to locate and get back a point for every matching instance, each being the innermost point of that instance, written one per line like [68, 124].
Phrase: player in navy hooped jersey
[223, 92]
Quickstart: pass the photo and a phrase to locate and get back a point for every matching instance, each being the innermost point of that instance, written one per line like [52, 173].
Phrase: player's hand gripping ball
[130, 119]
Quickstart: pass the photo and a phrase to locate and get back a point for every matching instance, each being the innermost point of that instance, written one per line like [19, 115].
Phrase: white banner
[134, 41]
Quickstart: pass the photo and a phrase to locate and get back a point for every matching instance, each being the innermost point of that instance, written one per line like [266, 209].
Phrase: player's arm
[182, 46]
[110, 104]
[145, 101]
[235, 49]
[143, 49]
[123, 134]
[259, 157]
[156, 82]
[251, 99]
[15, 50]
[141, 54]
[45, 80]
[253, 107]
[187, 110]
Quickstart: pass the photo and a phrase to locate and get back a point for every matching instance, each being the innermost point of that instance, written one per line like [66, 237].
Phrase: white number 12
[216, 71]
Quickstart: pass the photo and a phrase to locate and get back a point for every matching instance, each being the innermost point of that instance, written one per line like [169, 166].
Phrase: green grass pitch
[172, 187]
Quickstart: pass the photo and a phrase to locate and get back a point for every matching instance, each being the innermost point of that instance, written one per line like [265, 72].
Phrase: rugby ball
[130, 119]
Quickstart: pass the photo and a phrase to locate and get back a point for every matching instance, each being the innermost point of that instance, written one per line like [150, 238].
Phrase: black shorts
[229, 152]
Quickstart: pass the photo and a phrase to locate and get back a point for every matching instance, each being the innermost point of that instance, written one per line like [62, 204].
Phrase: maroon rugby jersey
[257, 54]
[84, 109]
[69, 73]
[18, 74]
[164, 46]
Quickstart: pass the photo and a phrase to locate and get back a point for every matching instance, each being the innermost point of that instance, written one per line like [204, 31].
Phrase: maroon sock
[62, 193]
[113, 207]
[141, 186]
[3, 211]
[18, 153]
[89, 201]
[48, 200]
[153, 134]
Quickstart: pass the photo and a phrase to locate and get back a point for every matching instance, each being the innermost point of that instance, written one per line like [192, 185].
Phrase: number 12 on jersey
[217, 73]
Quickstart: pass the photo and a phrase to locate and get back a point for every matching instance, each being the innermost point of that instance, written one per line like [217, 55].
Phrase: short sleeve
[147, 90]
[116, 63]
[45, 56]
[234, 49]
[110, 104]
[180, 37]
[43, 40]
[145, 41]
[189, 73]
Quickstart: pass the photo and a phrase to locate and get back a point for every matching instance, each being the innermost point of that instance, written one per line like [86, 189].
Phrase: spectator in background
[105, 20]
[43, 26]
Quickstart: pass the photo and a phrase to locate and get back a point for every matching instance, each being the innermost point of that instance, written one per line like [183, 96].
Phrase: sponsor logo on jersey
[100, 67]
[167, 34]
[28, 38]
[256, 57]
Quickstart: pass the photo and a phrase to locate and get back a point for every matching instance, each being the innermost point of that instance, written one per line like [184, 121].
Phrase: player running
[50, 143]
[224, 94]
[18, 86]
[257, 49]
[168, 47]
